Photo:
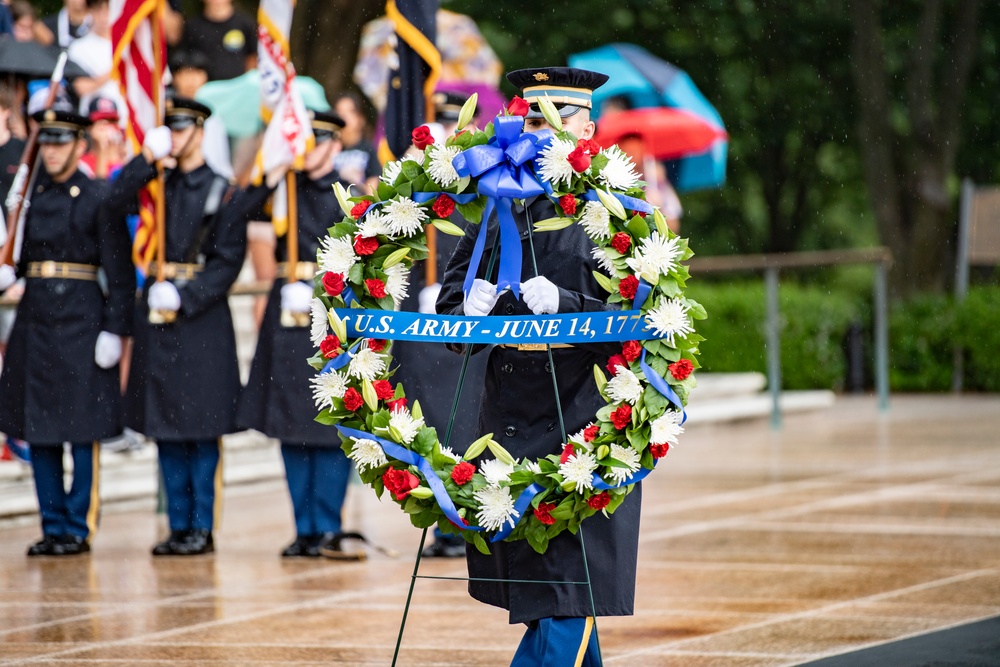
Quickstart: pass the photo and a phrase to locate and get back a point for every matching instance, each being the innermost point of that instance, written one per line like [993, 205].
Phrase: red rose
[365, 246]
[333, 283]
[622, 416]
[544, 513]
[422, 137]
[567, 452]
[462, 473]
[591, 432]
[659, 451]
[568, 204]
[400, 482]
[398, 404]
[352, 399]
[359, 209]
[614, 361]
[589, 145]
[621, 242]
[375, 287]
[628, 286]
[641, 214]
[600, 501]
[631, 349]
[330, 346]
[376, 344]
[383, 389]
[681, 369]
[444, 206]
[579, 159]
[517, 107]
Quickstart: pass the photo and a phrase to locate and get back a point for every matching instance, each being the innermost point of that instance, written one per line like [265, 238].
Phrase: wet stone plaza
[846, 529]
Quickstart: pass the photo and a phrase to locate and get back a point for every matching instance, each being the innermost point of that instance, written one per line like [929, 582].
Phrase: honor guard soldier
[278, 399]
[519, 406]
[184, 381]
[60, 380]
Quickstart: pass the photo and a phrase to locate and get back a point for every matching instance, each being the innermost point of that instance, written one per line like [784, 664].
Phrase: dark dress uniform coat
[51, 389]
[277, 400]
[519, 408]
[184, 381]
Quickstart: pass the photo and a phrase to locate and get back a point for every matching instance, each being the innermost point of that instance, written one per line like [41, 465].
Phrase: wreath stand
[447, 440]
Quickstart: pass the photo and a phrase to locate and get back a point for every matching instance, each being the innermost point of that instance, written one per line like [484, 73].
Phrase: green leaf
[410, 169]
[477, 539]
[355, 275]
[638, 227]
[406, 189]
[473, 211]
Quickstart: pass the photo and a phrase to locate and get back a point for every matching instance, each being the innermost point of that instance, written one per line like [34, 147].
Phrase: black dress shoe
[300, 548]
[168, 546]
[46, 546]
[72, 545]
[196, 543]
[446, 547]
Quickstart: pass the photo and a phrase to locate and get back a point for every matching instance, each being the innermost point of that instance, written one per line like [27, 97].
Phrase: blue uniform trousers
[75, 512]
[192, 478]
[559, 642]
[317, 483]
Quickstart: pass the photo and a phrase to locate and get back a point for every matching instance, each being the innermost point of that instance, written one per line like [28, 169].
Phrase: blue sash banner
[610, 326]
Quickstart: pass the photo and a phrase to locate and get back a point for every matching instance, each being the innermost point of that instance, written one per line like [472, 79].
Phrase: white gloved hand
[481, 298]
[428, 297]
[540, 295]
[7, 276]
[158, 142]
[108, 350]
[296, 297]
[164, 296]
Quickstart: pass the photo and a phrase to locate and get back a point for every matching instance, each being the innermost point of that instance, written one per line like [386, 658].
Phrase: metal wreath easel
[447, 439]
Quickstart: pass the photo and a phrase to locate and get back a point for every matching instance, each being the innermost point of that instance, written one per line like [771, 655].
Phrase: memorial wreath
[364, 264]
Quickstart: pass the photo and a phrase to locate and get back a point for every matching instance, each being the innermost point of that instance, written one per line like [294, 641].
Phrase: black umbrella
[33, 61]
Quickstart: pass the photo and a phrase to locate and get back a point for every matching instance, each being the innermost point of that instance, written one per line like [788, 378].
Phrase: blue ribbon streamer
[641, 294]
[520, 507]
[340, 360]
[630, 203]
[660, 385]
[424, 197]
[349, 296]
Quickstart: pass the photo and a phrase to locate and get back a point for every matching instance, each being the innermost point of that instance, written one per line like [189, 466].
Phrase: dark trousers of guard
[69, 518]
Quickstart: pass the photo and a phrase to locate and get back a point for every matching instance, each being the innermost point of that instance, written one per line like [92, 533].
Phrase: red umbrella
[665, 133]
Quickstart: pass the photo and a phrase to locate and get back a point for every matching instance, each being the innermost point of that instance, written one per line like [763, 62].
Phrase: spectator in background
[72, 22]
[107, 142]
[228, 39]
[93, 52]
[190, 72]
[358, 161]
[27, 27]
[6, 19]
[10, 146]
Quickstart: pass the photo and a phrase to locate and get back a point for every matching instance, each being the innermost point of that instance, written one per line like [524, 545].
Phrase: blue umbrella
[647, 81]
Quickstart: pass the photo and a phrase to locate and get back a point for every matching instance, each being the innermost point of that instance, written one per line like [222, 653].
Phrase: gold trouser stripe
[217, 505]
[94, 511]
[582, 652]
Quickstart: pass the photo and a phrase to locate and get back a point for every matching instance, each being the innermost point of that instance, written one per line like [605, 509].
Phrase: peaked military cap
[182, 113]
[57, 126]
[568, 88]
[325, 125]
[448, 104]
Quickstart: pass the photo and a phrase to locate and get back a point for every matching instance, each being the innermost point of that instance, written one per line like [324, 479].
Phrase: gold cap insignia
[541, 76]
[50, 115]
[74, 191]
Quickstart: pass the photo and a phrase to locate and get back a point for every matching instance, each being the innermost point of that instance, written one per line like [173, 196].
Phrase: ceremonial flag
[139, 66]
[411, 87]
[289, 132]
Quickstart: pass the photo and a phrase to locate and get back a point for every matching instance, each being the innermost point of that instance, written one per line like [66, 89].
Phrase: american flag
[139, 66]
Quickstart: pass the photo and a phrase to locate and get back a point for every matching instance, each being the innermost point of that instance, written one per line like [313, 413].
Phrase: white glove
[296, 297]
[108, 350]
[481, 298]
[164, 296]
[428, 297]
[7, 276]
[158, 142]
[540, 295]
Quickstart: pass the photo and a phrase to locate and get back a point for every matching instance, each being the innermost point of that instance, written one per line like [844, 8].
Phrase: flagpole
[292, 235]
[159, 193]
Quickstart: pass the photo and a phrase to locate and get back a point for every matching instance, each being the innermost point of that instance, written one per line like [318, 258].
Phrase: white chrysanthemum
[367, 454]
[448, 452]
[533, 467]
[337, 255]
[496, 471]
[319, 324]
[595, 221]
[552, 163]
[440, 167]
[374, 224]
[669, 319]
[405, 424]
[390, 172]
[397, 282]
[496, 507]
[579, 469]
[655, 257]
[629, 457]
[665, 429]
[624, 387]
[578, 439]
[604, 260]
[366, 364]
[619, 172]
[404, 217]
[326, 387]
